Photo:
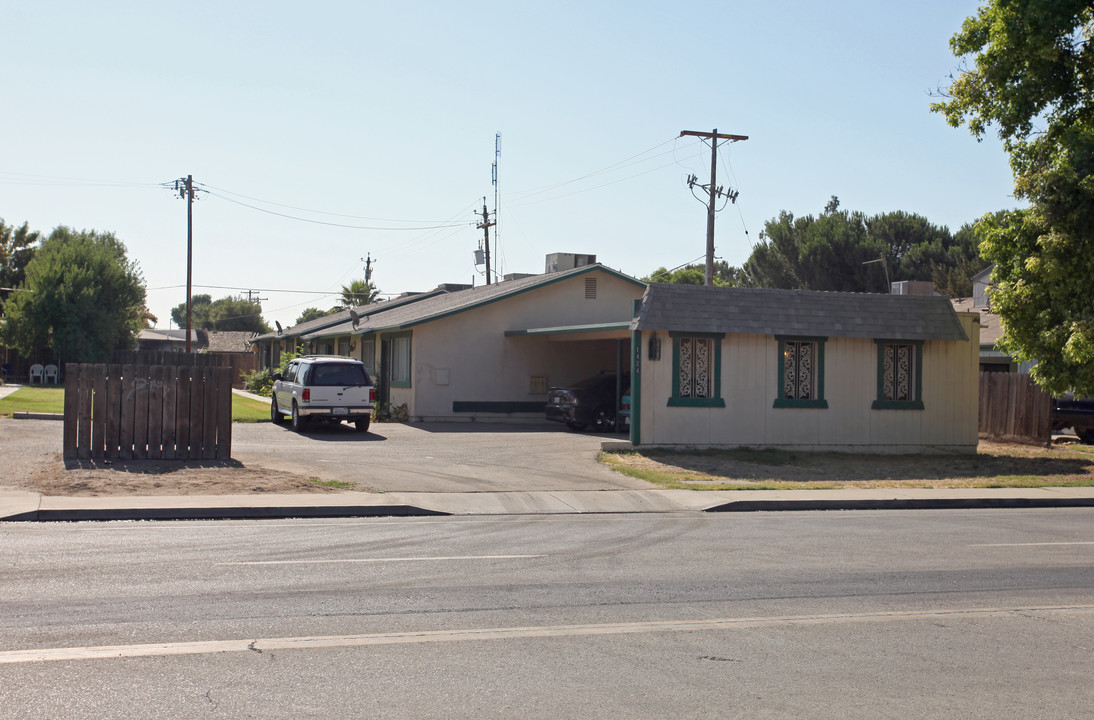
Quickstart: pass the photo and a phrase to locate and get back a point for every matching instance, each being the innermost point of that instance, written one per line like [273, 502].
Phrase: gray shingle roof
[342, 317]
[695, 308]
[444, 304]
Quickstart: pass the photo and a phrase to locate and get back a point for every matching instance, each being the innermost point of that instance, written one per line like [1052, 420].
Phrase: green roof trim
[596, 327]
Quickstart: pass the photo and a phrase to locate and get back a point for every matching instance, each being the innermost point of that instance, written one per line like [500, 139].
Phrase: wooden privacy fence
[1014, 409]
[147, 412]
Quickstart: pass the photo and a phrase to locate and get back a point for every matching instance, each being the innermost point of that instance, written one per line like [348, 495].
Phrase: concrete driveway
[436, 457]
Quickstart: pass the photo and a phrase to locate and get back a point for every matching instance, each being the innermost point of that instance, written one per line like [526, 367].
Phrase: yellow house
[489, 353]
[856, 372]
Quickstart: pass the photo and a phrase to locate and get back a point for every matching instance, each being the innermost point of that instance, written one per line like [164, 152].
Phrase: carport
[584, 340]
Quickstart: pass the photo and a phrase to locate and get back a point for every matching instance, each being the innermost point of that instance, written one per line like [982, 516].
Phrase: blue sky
[383, 116]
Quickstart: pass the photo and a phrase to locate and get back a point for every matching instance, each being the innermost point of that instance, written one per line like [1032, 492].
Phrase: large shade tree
[17, 245]
[83, 299]
[227, 313]
[1028, 72]
[845, 251]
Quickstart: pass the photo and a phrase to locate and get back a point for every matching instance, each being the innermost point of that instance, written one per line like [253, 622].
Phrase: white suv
[318, 387]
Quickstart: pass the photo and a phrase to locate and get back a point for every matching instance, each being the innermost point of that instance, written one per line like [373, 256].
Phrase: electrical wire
[67, 181]
[317, 212]
[323, 222]
[524, 194]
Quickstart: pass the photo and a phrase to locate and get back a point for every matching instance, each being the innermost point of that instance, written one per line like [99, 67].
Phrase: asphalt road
[918, 614]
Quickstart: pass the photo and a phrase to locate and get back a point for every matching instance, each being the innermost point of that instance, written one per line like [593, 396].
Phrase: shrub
[260, 382]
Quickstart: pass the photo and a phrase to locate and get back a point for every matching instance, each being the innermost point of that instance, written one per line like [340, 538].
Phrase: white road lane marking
[1032, 544]
[8, 657]
[380, 560]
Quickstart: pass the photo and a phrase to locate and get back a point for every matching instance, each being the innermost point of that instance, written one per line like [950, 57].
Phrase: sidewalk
[25, 506]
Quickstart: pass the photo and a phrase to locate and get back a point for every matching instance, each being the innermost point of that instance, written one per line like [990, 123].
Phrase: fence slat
[197, 412]
[113, 409]
[183, 393]
[98, 411]
[224, 413]
[83, 411]
[170, 393]
[68, 438]
[155, 411]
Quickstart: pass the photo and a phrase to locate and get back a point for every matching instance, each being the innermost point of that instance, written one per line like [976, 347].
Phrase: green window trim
[395, 338]
[715, 400]
[883, 404]
[817, 403]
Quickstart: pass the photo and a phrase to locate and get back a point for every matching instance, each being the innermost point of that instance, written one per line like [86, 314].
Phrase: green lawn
[52, 400]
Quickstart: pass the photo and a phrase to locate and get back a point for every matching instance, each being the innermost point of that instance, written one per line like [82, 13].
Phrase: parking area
[436, 457]
[391, 457]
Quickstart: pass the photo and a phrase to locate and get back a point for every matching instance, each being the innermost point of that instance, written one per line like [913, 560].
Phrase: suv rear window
[344, 374]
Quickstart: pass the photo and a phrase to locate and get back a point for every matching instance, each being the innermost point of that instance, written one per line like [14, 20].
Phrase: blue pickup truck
[1069, 411]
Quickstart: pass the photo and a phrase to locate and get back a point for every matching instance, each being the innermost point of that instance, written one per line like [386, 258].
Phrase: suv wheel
[362, 425]
[275, 413]
[298, 422]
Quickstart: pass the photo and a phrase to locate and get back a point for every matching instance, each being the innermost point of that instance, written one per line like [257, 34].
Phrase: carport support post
[619, 368]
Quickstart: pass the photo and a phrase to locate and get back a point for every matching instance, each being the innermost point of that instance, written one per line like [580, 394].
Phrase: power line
[317, 212]
[323, 222]
[257, 290]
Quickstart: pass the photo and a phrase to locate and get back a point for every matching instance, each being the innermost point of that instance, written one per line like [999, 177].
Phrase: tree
[311, 314]
[358, 292]
[200, 312]
[840, 250]
[231, 313]
[1031, 78]
[724, 275]
[227, 313]
[84, 298]
[17, 245]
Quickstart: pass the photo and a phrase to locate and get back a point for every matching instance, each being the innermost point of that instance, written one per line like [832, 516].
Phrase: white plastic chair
[51, 374]
[35, 372]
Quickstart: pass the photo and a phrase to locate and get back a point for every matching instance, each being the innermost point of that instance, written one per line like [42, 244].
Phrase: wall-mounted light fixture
[654, 352]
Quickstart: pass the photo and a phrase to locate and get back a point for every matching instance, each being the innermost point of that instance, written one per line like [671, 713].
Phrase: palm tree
[358, 292]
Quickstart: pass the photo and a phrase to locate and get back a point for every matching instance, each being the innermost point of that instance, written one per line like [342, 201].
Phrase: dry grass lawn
[995, 465]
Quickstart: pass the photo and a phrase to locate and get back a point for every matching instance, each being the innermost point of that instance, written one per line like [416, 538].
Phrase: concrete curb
[218, 513]
[36, 416]
[901, 504]
[32, 507]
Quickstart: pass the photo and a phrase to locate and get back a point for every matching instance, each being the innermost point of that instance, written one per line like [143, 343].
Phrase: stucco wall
[749, 384]
[466, 357]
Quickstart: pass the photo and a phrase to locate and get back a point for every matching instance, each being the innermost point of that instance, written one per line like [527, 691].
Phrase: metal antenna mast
[494, 181]
[713, 190]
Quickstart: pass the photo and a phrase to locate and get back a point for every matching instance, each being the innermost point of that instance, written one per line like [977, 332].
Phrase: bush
[260, 382]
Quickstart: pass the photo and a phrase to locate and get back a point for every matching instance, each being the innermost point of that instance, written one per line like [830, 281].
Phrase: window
[696, 370]
[368, 354]
[801, 373]
[400, 361]
[899, 375]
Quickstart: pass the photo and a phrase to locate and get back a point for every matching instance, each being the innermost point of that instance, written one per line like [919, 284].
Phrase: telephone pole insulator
[713, 192]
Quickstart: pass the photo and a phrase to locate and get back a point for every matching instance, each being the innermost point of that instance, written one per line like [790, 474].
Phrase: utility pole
[251, 296]
[713, 190]
[368, 269]
[185, 189]
[485, 226]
